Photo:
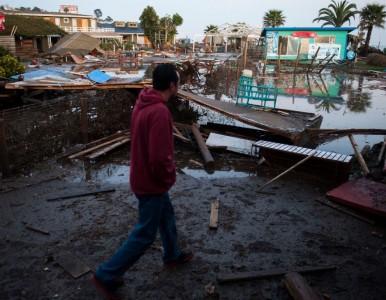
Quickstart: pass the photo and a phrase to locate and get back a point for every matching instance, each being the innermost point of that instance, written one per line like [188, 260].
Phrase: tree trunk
[367, 42]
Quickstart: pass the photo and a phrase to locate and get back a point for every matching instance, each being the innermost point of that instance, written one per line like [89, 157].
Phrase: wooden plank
[89, 150]
[246, 276]
[72, 265]
[298, 287]
[37, 229]
[213, 222]
[82, 194]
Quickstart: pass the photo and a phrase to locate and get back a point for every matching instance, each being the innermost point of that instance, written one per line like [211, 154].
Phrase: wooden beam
[359, 155]
[208, 159]
[298, 287]
[381, 151]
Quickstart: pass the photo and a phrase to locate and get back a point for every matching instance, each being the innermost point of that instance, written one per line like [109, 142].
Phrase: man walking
[152, 174]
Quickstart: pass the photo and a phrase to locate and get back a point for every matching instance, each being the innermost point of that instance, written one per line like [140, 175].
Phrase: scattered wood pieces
[72, 265]
[213, 222]
[89, 150]
[108, 148]
[82, 194]
[298, 287]
[37, 229]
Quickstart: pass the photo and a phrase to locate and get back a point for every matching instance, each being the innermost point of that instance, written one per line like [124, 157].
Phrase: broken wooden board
[82, 194]
[72, 265]
[231, 143]
[214, 214]
[364, 194]
[246, 276]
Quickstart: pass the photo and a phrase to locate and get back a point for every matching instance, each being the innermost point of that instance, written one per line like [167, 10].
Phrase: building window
[132, 24]
[325, 39]
[66, 20]
[289, 45]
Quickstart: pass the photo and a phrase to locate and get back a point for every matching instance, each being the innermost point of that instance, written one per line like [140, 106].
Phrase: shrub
[4, 51]
[11, 66]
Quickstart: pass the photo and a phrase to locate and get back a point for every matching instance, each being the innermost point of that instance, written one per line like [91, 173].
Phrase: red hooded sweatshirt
[152, 169]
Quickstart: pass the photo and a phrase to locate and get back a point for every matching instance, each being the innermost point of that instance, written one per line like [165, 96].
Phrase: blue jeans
[155, 212]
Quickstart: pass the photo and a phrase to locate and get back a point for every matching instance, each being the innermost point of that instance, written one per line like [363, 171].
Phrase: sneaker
[107, 289]
[185, 257]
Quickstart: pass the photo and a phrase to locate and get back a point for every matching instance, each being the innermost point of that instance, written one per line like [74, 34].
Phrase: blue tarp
[98, 76]
[41, 73]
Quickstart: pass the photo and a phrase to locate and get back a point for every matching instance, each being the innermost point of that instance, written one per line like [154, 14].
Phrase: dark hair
[163, 75]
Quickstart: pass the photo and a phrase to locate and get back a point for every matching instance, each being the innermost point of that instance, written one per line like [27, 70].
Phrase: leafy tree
[336, 14]
[36, 9]
[149, 22]
[22, 8]
[274, 18]
[168, 26]
[372, 15]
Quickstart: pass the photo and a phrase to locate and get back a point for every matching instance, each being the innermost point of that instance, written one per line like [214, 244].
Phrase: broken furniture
[332, 167]
[249, 94]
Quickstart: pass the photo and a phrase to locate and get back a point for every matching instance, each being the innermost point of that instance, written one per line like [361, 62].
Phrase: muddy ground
[283, 229]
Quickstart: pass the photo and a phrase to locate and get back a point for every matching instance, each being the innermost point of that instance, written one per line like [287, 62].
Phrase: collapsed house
[78, 44]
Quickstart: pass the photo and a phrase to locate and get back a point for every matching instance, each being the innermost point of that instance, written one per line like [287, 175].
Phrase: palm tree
[372, 15]
[336, 14]
[273, 18]
[211, 29]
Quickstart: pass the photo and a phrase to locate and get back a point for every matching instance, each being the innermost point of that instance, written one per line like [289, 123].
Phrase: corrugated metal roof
[348, 29]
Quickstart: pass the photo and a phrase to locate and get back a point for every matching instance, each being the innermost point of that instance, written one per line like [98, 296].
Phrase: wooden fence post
[4, 159]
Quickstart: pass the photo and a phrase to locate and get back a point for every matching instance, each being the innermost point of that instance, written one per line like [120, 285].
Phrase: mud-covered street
[285, 228]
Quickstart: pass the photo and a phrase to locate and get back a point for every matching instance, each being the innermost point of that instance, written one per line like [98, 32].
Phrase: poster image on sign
[324, 50]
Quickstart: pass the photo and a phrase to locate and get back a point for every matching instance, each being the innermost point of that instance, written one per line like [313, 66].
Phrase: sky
[199, 14]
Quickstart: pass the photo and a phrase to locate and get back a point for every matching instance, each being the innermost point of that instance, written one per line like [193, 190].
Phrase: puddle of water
[199, 173]
[344, 101]
[351, 102]
[355, 102]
